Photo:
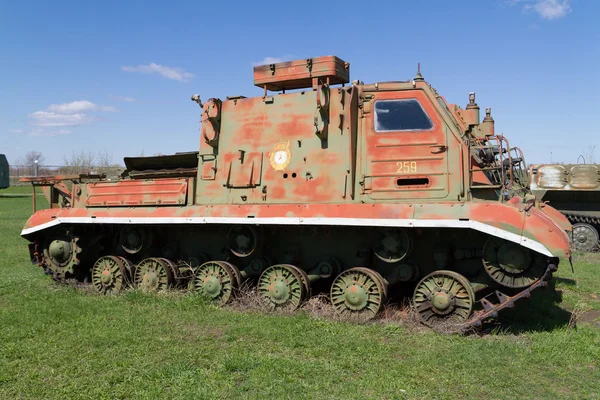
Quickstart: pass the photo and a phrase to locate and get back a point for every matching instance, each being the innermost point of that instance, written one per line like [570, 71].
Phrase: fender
[557, 216]
[538, 223]
[530, 228]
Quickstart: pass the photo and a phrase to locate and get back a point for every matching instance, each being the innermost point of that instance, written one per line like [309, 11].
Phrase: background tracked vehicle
[4, 172]
[363, 191]
[574, 190]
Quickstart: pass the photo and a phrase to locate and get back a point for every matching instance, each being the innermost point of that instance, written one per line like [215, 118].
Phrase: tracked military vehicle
[363, 191]
[574, 190]
[4, 172]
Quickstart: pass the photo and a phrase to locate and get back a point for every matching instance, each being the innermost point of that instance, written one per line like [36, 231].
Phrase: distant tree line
[79, 162]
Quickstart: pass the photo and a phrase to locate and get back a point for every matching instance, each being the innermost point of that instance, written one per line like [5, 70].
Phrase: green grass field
[58, 341]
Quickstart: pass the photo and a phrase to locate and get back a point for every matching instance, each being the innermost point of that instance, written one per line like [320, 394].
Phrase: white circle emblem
[280, 157]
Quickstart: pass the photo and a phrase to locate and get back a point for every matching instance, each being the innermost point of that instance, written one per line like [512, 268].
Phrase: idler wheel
[217, 280]
[359, 292]
[153, 274]
[282, 286]
[512, 265]
[585, 237]
[442, 297]
[109, 275]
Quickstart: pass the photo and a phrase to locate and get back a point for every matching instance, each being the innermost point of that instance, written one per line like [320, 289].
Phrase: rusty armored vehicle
[574, 190]
[362, 191]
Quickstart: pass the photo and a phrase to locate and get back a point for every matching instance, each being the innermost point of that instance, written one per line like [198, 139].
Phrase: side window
[401, 115]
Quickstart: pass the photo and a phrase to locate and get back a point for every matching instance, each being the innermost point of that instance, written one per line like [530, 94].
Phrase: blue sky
[118, 76]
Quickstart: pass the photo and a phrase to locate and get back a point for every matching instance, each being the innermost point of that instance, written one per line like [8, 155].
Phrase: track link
[575, 217]
[490, 310]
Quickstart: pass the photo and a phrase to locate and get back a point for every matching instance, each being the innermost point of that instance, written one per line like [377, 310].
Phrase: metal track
[575, 217]
[490, 310]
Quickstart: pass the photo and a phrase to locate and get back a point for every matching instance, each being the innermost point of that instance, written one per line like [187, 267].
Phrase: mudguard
[558, 217]
[519, 223]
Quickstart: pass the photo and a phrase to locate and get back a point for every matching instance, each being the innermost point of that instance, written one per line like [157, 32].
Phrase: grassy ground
[60, 342]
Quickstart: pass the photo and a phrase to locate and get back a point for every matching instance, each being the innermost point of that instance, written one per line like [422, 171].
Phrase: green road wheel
[358, 292]
[443, 296]
[129, 269]
[235, 271]
[216, 280]
[305, 282]
[109, 275]
[153, 274]
[377, 275]
[173, 267]
[282, 287]
[585, 237]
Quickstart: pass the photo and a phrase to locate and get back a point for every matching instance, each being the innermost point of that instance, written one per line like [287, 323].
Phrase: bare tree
[589, 154]
[79, 162]
[32, 156]
[104, 159]
[82, 162]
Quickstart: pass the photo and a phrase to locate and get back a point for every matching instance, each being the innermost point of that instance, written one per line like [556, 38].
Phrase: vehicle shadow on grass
[566, 281]
[542, 312]
[14, 195]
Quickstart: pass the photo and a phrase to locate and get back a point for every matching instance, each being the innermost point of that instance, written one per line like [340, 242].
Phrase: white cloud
[78, 106]
[550, 9]
[176, 74]
[272, 60]
[40, 132]
[547, 9]
[124, 98]
[73, 107]
[48, 118]
[64, 115]
[15, 131]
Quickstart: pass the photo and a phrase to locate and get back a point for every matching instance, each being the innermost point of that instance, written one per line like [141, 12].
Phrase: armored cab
[4, 172]
[363, 191]
[574, 190]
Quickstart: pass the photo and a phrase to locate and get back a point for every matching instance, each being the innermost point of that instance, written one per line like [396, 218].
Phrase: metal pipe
[33, 192]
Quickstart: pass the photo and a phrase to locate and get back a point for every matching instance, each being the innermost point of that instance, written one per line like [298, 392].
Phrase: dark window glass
[401, 115]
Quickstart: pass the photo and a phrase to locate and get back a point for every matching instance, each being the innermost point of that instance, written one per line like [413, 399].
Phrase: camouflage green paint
[330, 180]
